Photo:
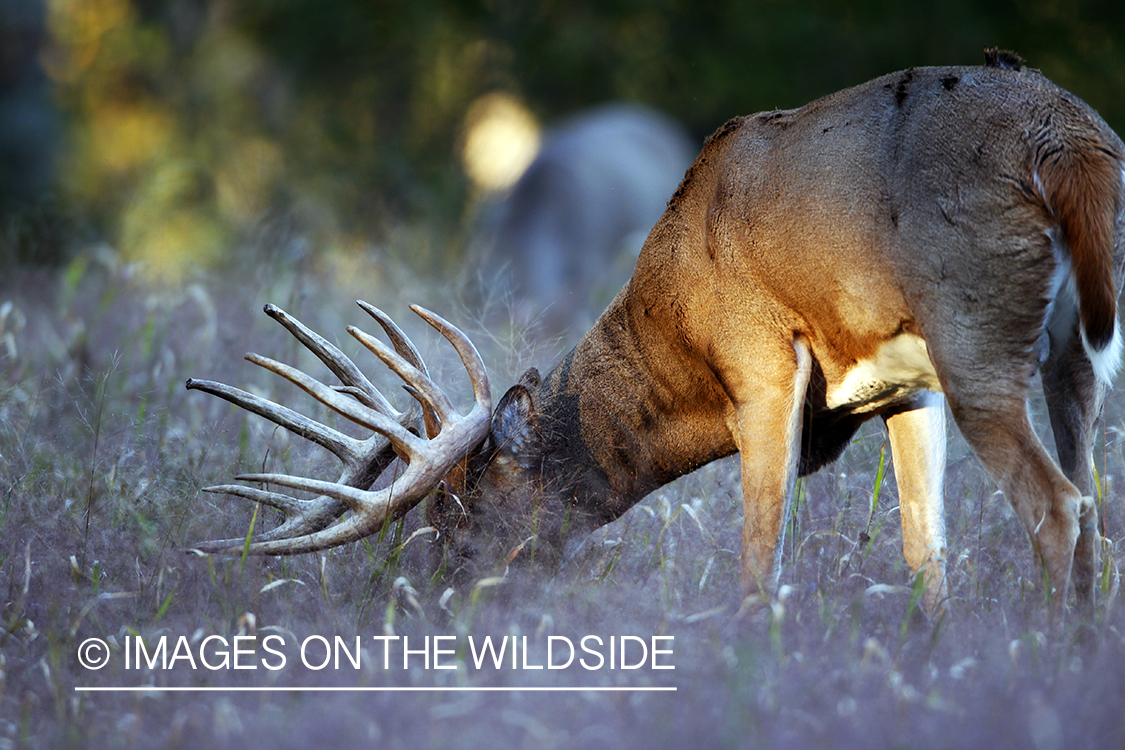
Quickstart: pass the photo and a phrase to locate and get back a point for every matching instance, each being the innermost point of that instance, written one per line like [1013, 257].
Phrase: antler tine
[347, 449]
[290, 539]
[423, 387]
[419, 381]
[429, 416]
[402, 343]
[336, 361]
[302, 518]
[347, 407]
[470, 357]
[284, 503]
[405, 347]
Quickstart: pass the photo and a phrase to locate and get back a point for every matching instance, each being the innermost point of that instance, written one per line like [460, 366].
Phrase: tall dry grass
[103, 454]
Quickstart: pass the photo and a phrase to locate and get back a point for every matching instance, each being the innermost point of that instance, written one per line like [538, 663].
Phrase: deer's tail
[1080, 178]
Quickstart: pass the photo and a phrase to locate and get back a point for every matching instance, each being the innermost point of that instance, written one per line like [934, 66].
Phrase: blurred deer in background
[568, 233]
[934, 236]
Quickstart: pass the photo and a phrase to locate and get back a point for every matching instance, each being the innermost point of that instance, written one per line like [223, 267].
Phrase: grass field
[103, 455]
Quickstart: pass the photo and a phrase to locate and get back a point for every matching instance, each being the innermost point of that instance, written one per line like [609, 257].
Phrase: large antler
[308, 524]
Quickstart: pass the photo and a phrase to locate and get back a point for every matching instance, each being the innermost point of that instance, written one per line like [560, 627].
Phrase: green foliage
[191, 124]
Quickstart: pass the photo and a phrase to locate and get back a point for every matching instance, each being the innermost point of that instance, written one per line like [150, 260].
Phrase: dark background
[178, 131]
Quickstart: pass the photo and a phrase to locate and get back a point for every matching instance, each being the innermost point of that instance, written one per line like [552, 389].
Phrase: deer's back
[862, 206]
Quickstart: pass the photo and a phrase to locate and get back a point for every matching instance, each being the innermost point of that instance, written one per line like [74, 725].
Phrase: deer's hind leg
[986, 346]
[991, 412]
[1074, 402]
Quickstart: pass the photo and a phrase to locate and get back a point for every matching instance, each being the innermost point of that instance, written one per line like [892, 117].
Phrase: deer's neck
[625, 413]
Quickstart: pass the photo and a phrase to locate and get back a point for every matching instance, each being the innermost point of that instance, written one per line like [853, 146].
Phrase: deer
[934, 237]
[580, 212]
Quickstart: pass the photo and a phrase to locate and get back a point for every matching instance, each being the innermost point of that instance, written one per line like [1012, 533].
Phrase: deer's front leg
[768, 435]
[917, 436]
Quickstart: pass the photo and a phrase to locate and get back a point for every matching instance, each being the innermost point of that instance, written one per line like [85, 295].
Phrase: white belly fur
[899, 368]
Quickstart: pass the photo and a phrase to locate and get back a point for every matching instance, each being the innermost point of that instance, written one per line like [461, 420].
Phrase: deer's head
[478, 472]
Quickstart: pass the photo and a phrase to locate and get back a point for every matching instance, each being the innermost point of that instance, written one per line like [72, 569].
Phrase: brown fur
[1080, 176]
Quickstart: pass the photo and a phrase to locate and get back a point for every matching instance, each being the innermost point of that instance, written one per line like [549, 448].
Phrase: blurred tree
[26, 122]
[28, 133]
[190, 123]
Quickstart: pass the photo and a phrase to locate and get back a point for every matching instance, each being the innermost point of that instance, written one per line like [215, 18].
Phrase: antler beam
[429, 454]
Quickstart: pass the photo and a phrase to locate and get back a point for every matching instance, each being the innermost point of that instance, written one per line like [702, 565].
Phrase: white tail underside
[1062, 311]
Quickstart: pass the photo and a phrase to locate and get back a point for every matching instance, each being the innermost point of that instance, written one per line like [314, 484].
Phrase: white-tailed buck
[935, 235]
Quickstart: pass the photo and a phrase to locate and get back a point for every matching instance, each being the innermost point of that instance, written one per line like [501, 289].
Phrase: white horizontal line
[298, 689]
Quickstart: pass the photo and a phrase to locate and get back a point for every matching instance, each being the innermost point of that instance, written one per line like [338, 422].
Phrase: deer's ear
[530, 379]
[515, 424]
